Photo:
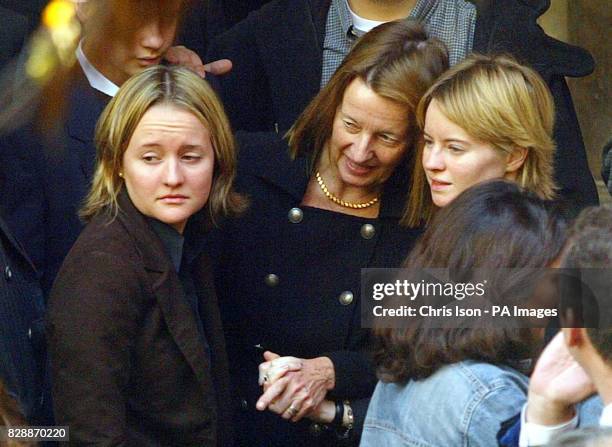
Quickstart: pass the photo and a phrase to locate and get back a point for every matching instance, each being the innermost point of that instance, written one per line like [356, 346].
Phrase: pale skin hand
[556, 385]
[180, 55]
[305, 387]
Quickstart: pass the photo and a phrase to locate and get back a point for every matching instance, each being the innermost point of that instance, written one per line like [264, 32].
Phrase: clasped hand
[293, 387]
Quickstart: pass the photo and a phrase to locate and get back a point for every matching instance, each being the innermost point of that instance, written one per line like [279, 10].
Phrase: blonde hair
[397, 60]
[500, 102]
[174, 86]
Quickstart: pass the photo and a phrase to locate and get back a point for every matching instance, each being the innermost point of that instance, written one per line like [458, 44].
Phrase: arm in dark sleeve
[571, 167]
[355, 374]
[245, 91]
[23, 203]
[92, 323]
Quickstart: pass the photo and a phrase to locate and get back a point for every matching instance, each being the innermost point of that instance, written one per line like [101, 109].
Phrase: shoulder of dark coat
[105, 235]
[265, 155]
[510, 26]
[277, 15]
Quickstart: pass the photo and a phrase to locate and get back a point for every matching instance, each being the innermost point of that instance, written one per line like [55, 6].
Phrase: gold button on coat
[296, 215]
[346, 298]
[368, 231]
[271, 280]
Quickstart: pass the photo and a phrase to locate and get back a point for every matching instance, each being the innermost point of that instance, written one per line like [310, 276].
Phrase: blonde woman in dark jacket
[137, 350]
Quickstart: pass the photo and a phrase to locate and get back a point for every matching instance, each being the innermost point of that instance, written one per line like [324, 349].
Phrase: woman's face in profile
[168, 165]
[453, 160]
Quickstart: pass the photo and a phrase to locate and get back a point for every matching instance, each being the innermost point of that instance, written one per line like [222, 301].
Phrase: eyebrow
[182, 148]
[382, 131]
[449, 140]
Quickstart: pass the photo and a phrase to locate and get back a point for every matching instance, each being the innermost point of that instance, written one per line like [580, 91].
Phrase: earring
[121, 174]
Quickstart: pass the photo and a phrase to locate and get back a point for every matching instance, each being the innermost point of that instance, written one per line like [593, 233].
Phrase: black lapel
[16, 245]
[85, 106]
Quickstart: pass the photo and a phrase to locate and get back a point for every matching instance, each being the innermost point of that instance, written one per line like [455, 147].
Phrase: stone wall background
[588, 23]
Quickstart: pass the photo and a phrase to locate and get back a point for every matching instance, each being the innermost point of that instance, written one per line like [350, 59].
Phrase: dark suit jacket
[278, 51]
[22, 346]
[47, 176]
[128, 364]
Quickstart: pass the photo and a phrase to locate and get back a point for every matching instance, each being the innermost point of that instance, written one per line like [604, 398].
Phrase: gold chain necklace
[341, 202]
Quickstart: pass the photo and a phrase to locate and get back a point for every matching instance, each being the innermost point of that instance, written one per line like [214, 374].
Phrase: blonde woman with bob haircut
[135, 339]
[487, 117]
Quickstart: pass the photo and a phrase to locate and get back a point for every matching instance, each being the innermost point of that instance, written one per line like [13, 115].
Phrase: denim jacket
[462, 404]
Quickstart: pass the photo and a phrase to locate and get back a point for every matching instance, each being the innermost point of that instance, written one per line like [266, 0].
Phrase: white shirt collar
[361, 24]
[96, 79]
[606, 416]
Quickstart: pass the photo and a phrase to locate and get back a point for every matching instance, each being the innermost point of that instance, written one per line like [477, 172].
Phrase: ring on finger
[292, 410]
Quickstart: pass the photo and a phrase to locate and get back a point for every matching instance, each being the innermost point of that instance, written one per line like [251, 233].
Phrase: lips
[438, 185]
[357, 169]
[148, 61]
[173, 198]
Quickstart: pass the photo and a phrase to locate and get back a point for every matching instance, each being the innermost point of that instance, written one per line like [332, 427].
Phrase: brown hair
[178, 87]
[500, 102]
[493, 225]
[397, 60]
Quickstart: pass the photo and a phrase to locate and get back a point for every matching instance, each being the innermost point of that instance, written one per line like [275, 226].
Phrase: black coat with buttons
[22, 345]
[288, 278]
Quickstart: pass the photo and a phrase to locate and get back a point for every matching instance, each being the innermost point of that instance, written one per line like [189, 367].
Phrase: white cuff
[536, 434]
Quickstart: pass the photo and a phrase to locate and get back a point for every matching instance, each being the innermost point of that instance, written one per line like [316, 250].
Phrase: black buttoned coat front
[128, 363]
[289, 281]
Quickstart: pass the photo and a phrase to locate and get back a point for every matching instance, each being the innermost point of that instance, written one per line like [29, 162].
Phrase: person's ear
[84, 10]
[516, 159]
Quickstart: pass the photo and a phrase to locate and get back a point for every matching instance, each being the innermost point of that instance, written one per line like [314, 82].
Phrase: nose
[152, 36]
[433, 158]
[173, 175]
[361, 148]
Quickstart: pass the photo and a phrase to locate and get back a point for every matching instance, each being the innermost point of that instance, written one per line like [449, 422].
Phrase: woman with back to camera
[289, 276]
[451, 386]
[488, 117]
[137, 351]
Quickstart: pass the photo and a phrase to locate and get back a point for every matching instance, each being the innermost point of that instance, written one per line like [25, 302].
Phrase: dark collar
[173, 241]
[266, 156]
[151, 242]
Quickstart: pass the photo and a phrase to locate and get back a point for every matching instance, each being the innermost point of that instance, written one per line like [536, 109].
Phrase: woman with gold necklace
[288, 274]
